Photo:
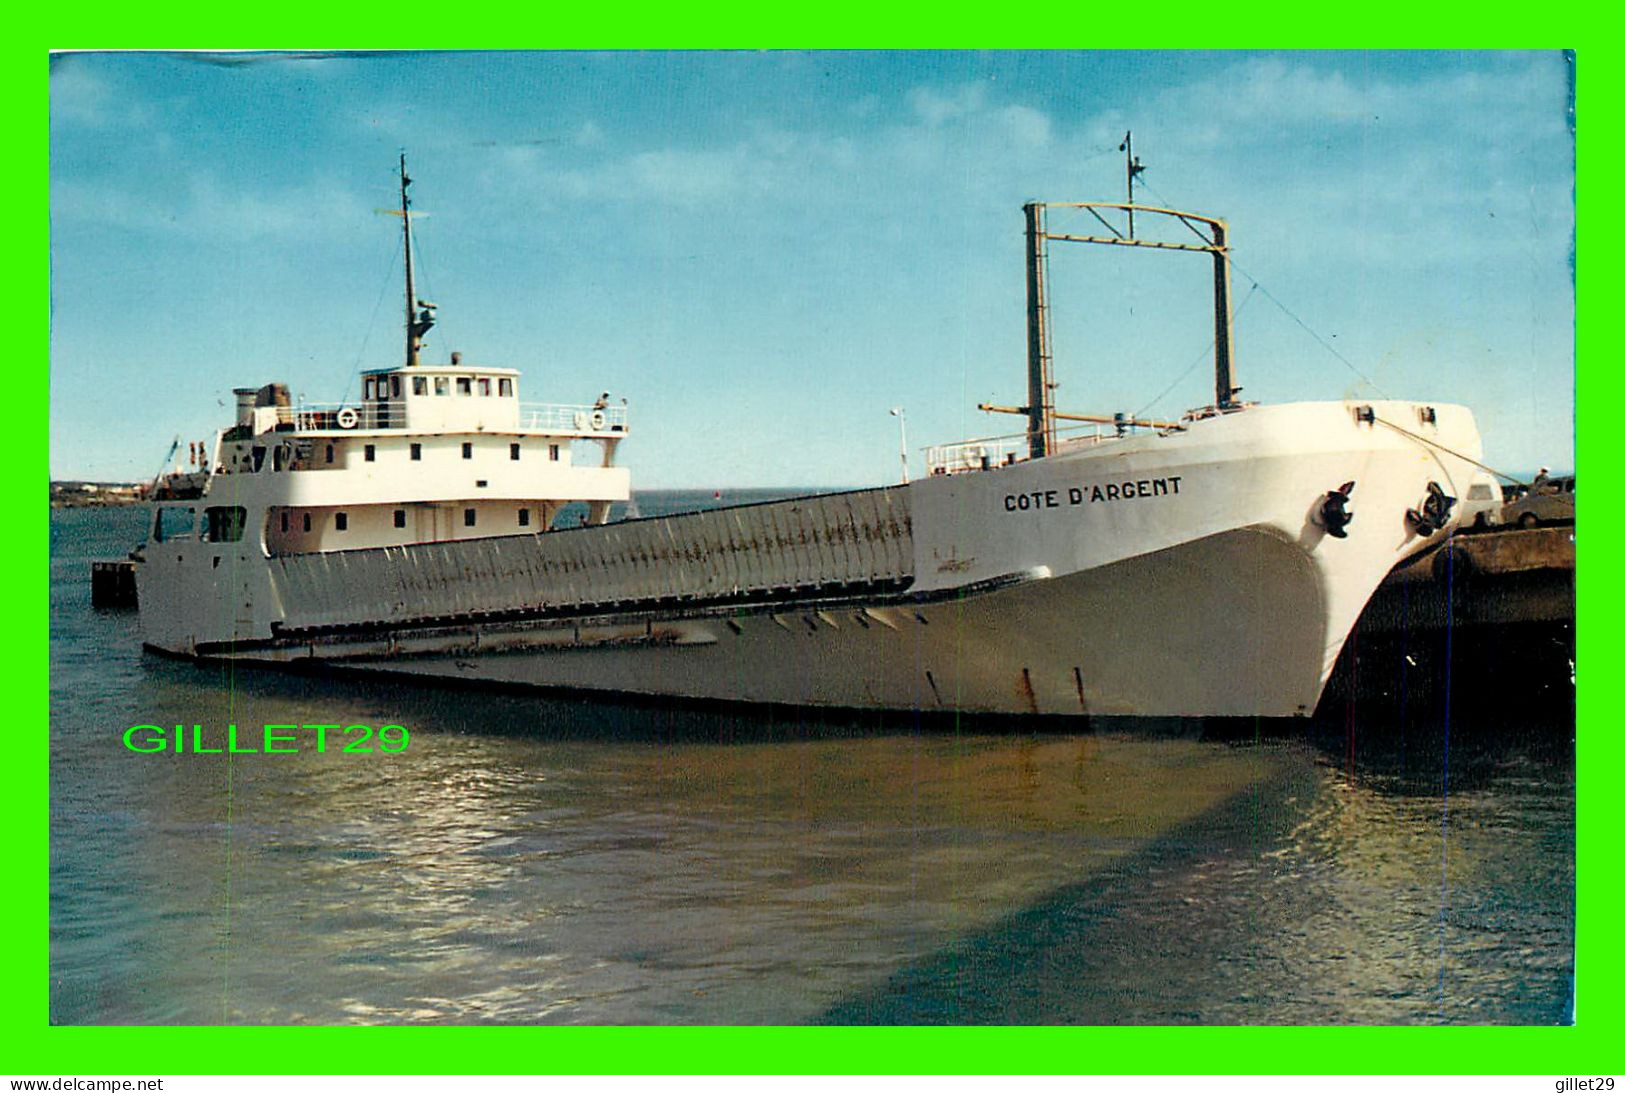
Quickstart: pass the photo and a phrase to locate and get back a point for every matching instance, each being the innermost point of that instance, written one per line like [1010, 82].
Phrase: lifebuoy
[348, 418]
[597, 419]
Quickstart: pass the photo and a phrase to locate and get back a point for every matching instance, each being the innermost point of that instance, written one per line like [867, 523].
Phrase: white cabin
[429, 453]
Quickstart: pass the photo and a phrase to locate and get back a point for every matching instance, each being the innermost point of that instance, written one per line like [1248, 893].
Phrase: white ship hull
[1184, 574]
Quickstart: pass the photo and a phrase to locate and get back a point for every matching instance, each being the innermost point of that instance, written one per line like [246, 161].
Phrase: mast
[1040, 390]
[1134, 169]
[1224, 380]
[419, 314]
[1040, 409]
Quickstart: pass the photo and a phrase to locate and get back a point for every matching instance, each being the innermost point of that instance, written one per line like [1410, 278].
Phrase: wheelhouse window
[417, 451]
[485, 386]
[420, 385]
[468, 450]
[224, 523]
[172, 524]
[465, 386]
[341, 521]
[442, 386]
[505, 387]
[395, 386]
[468, 518]
[368, 387]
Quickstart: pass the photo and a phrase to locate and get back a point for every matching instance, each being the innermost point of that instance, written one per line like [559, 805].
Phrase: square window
[400, 518]
[464, 386]
[371, 452]
[513, 451]
[485, 387]
[417, 451]
[468, 518]
[524, 518]
[442, 386]
[341, 521]
[420, 385]
[468, 450]
[505, 387]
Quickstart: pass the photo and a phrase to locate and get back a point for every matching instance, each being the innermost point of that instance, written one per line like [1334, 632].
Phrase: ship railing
[568, 418]
[340, 415]
[985, 453]
[981, 454]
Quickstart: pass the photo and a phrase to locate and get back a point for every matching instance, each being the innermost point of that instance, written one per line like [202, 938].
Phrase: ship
[441, 529]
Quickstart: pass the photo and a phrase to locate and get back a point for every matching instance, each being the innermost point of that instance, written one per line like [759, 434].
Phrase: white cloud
[968, 104]
[84, 96]
[206, 209]
[1024, 125]
[935, 106]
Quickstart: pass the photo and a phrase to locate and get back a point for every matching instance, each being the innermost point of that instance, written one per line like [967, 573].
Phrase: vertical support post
[412, 338]
[1224, 379]
[1128, 167]
[902, 438]
[1040, 391]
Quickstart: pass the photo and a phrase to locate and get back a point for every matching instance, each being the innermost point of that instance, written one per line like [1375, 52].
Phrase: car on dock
[1546, 502]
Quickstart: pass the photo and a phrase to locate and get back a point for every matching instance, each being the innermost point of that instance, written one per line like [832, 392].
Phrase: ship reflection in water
[541, 860]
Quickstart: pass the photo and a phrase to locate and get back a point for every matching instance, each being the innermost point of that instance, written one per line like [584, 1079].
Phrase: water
[545, 860]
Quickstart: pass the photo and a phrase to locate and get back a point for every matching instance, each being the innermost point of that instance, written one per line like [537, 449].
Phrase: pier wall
[1481, 626]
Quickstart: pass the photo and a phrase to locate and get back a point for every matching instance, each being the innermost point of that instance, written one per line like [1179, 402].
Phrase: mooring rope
[1449, 451]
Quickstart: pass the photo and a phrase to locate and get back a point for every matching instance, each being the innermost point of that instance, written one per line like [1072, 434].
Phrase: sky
[765, 253]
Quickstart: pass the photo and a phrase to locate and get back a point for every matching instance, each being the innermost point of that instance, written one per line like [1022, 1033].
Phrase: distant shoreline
[85, 495]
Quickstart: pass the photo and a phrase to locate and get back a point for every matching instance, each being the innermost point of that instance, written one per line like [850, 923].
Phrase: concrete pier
[1486, 622]
[1493, 578]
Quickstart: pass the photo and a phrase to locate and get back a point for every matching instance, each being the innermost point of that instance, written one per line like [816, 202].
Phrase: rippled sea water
[537, 859]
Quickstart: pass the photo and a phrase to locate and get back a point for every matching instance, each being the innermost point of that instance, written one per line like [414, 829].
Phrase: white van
[1481, 508]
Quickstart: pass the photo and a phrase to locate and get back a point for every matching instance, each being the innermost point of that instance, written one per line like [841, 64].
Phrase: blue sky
[764, 252]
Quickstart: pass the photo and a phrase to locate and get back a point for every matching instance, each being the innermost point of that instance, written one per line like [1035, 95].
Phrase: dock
[1485, 622]
[1493, 578]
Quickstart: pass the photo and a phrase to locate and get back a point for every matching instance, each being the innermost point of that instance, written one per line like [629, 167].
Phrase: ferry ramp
[824, 544]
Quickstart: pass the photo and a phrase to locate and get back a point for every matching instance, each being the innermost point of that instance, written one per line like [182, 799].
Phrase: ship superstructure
[430, 453]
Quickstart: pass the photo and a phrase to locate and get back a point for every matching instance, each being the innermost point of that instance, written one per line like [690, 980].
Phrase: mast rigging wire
[389, 275]
[1200, 357]
[1324, 344]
